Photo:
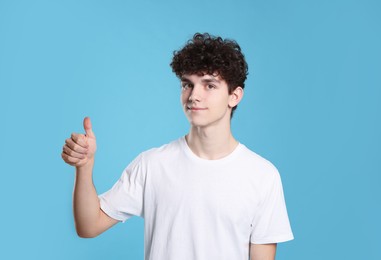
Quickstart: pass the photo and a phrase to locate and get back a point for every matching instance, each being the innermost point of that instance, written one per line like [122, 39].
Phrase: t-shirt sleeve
[125, 198]
[271, 224]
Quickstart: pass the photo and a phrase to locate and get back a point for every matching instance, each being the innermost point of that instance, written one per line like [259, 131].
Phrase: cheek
[221, 101]
[183, 98]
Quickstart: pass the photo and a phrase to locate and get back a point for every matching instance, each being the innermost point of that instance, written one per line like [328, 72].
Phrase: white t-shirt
[201, 209]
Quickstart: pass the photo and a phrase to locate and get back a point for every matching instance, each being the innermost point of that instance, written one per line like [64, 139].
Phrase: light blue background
[312, 106]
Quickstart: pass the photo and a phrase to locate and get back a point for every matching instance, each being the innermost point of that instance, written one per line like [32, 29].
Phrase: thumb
[87, 127]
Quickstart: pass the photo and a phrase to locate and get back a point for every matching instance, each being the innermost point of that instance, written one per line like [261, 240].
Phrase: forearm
[85, 202]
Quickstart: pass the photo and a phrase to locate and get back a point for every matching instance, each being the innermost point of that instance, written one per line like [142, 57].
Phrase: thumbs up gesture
[79, 149]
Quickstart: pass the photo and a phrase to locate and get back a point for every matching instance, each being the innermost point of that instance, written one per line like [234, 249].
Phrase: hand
[79, 149]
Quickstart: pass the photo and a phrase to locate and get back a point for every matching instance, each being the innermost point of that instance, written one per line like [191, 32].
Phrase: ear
[235, 97]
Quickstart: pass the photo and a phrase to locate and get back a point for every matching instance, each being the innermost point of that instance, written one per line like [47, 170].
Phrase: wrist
[86, 167]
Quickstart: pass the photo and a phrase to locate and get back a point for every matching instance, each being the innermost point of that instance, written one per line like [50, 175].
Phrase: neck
[211, 143]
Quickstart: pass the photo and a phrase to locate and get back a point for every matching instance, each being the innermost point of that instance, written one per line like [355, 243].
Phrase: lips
[196, 108]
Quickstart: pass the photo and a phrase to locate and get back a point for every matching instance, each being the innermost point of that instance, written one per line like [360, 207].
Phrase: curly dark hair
[208, 54]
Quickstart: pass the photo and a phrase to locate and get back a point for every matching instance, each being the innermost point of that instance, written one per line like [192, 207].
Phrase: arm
[262, 252]
[79, 151]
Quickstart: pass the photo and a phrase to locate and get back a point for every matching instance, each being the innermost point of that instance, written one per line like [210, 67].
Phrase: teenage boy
[204, 196]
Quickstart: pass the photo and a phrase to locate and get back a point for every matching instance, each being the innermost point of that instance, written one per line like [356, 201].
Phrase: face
[206, 100]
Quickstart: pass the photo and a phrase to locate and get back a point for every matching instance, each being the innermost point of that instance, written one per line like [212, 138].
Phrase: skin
[79, 151]
[207, 105]
[262, 252]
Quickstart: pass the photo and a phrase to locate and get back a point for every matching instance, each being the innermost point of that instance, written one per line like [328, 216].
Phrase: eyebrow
[210, 80]
[184, 79]
[207, 80]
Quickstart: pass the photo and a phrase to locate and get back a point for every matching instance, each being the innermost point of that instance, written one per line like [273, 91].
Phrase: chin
[197, 123]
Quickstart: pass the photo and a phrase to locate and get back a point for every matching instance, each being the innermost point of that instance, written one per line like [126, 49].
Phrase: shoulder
[251, 157]
[157, 155]
[163, 152]
[263, 173]
[258, 165]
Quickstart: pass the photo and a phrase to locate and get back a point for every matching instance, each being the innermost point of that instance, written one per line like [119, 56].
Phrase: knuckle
[75, 137]
[65, 158]
[66, 150]
[78, 139]
[69, 142]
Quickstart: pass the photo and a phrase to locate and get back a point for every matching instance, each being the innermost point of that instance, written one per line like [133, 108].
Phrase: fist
[79, 149]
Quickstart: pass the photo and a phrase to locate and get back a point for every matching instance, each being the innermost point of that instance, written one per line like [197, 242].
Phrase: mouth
[196, 108]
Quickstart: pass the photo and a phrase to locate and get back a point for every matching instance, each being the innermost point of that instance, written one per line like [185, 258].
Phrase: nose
[195, 94]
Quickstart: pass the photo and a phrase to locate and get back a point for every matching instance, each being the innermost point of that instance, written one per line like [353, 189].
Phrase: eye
[186, 85]
[210, 86]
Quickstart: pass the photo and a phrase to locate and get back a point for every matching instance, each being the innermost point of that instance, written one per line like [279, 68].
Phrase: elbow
[86, 233]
